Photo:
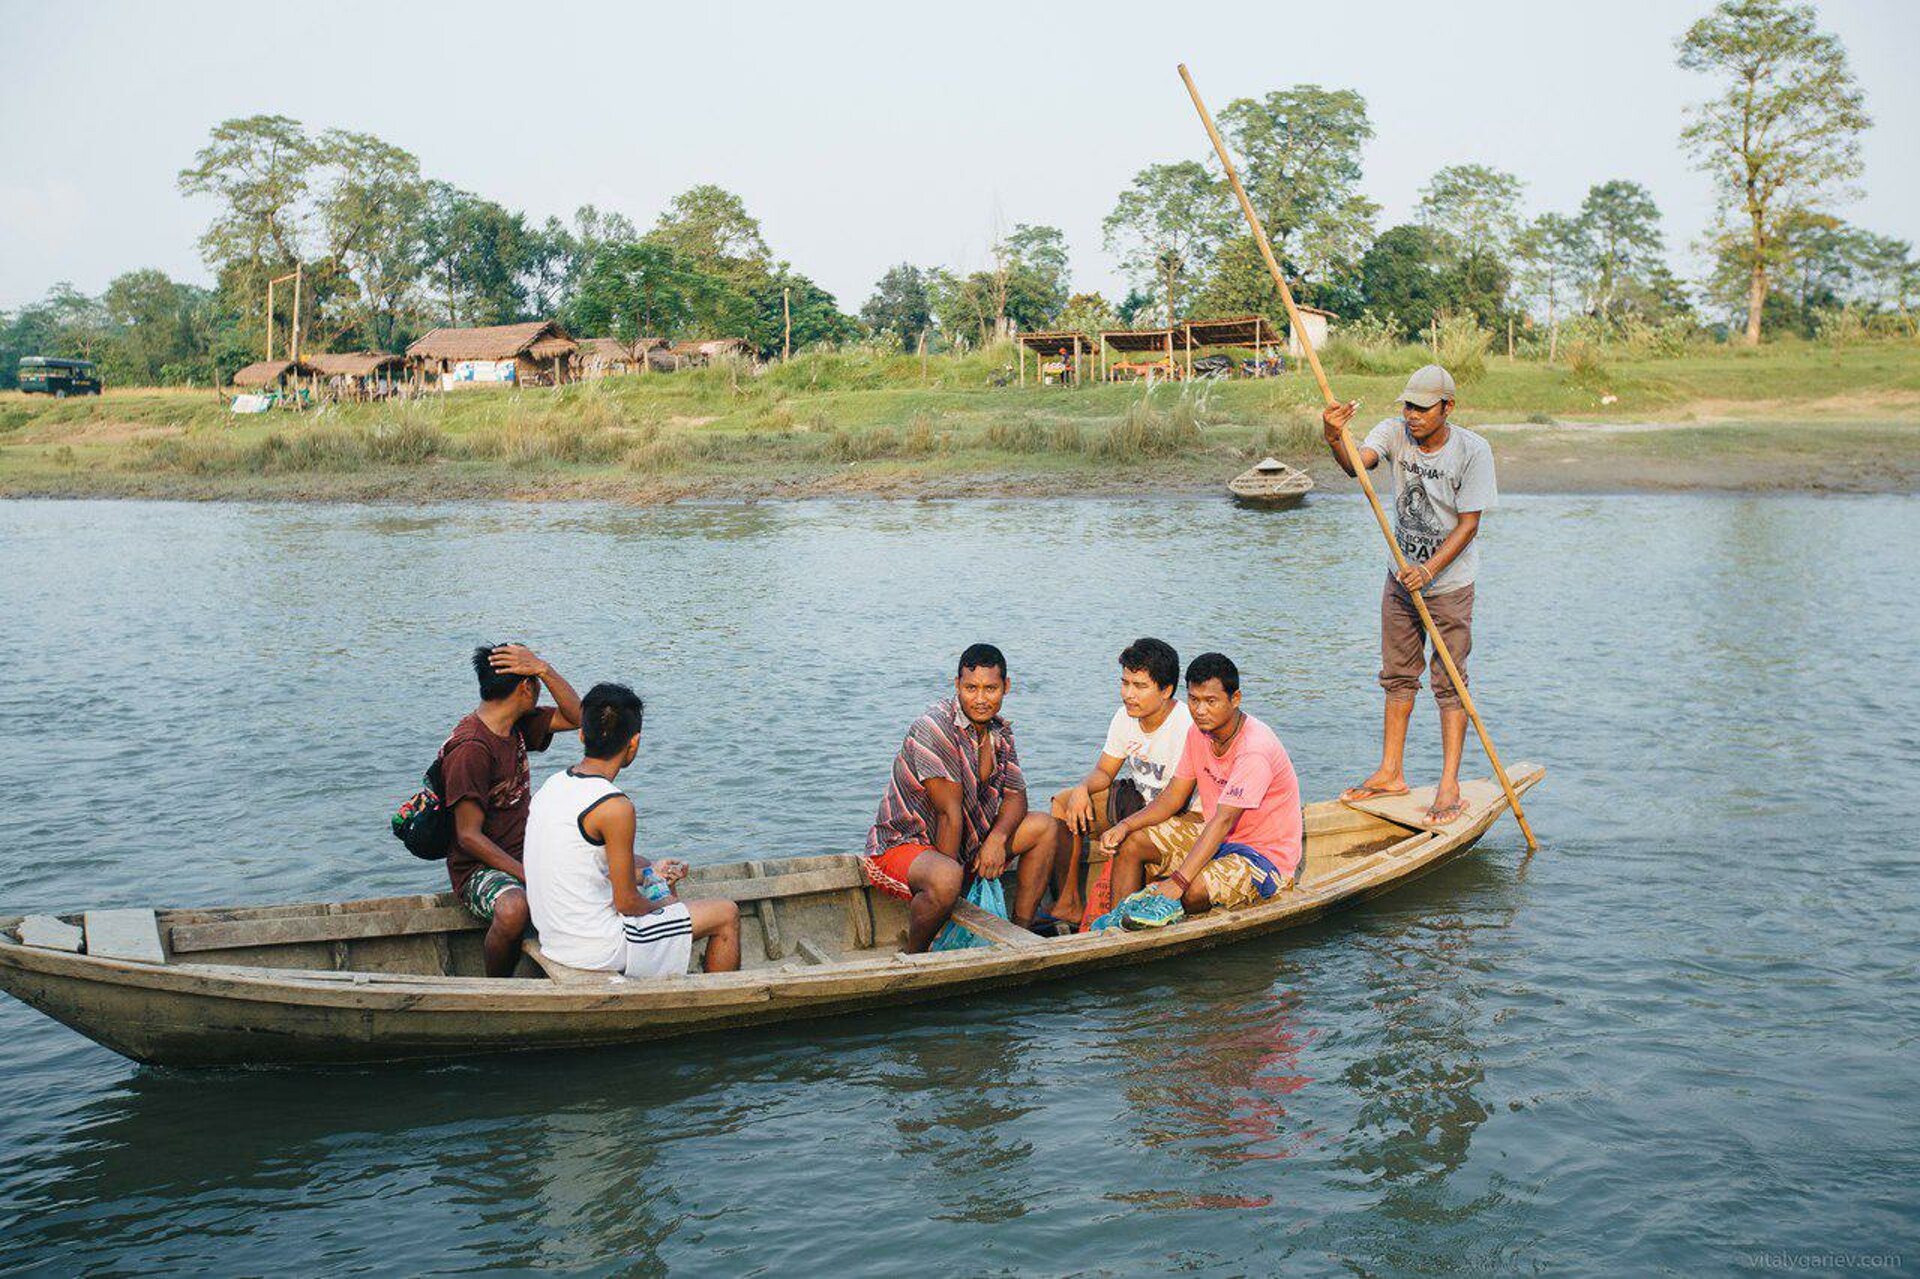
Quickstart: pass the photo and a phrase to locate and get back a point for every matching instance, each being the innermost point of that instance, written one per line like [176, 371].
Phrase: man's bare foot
[1382, 783]
[1071, 912]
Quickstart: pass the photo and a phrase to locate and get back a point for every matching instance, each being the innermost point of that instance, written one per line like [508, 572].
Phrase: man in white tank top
[596, 903]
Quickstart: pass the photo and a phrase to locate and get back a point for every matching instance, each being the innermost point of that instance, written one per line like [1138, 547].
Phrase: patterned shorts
[483, 891]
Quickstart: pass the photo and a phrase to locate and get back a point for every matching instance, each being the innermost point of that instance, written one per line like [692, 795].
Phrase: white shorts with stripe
[659, 944]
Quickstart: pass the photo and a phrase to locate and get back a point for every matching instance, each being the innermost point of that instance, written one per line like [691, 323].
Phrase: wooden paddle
[1353, 454]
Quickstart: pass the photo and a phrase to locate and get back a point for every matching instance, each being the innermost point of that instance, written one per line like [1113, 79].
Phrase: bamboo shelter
[605, 357]
[537, 353]
[1156, 342]
[359, 375]
[1072, 349]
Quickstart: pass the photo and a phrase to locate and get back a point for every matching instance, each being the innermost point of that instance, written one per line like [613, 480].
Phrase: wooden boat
[400, 977]
[1271, 485]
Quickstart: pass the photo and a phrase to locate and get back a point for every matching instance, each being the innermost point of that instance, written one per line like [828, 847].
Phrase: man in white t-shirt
[598, 904]
[1143, 747]
[1442, 483]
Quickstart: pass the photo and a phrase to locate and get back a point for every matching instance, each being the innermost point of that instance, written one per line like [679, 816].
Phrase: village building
[280, 376]
[699, 351]
[358, 375]
[605, 357]
[536, 353]
[1315, 322]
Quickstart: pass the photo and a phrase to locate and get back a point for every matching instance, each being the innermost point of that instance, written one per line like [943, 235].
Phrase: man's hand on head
[517, 659]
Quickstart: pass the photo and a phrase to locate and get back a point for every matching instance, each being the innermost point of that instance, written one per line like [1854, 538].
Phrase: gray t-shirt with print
[1430, 490]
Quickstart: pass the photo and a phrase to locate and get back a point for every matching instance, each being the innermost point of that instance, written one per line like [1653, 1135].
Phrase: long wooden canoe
[392, 978]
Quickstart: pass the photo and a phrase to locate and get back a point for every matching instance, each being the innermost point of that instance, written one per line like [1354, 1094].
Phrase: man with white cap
[1442, 482]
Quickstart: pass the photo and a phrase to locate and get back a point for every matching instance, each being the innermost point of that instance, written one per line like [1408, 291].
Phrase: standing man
[487, 788]
[955, 804]
[1442, 482]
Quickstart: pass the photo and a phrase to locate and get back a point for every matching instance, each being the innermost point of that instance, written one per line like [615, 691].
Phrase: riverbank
[1795, 417]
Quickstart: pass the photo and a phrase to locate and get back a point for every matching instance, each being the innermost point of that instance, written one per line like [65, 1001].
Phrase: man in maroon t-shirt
[487, 788]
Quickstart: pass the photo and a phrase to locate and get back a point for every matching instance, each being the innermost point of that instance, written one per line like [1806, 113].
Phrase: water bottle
[654, 888]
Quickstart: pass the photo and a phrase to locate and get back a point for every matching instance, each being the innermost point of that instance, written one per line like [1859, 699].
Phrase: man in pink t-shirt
[1250, 846]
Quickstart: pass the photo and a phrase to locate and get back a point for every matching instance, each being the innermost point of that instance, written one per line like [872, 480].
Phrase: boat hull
[201, 1014]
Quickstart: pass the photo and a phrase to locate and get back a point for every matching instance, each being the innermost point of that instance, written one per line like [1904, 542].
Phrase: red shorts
[887, 871]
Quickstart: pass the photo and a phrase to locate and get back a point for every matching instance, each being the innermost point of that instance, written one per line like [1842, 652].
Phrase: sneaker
[1150, 910]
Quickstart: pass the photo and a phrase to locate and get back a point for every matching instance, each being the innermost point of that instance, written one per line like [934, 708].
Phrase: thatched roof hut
[706, 350]
[537, 353]
[357, 364]
[271, 373]
[605, 357]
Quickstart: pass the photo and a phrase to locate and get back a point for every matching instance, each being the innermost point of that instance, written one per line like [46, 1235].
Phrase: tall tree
[1473, 212]
[639, 289]
[475, 251]
[899, 307]
[1783, 131]
[1553, 254]
[260, 170]
[1167, 226]
[1031, 264]
[372, 214]
[1621, 224]
[710, 226]
[1300, 149]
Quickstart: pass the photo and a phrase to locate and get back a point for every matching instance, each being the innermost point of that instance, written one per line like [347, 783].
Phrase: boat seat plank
[989, 927]
[229, 934]
[125, 934]
[49, 933]
[811, 952]
[833, 879]
[1410, 809]
[530, 947]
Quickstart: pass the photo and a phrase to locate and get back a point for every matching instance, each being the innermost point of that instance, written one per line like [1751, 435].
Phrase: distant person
[1442, 481]
[1251, 842]
[1144, 742]
[955, 805]
[597, 903]
[487, 788]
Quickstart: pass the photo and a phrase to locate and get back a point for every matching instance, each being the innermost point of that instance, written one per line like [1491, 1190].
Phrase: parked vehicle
[41, 374]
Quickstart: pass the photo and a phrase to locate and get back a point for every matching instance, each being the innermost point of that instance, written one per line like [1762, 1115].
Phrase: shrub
[1460, 345]
[1145, 432]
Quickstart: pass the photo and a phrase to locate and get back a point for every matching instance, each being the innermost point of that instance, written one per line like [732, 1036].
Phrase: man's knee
[510, 914]
[941, 880]
[1137, 847]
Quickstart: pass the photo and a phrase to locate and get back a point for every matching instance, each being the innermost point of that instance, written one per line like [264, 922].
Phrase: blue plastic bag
[988, 896]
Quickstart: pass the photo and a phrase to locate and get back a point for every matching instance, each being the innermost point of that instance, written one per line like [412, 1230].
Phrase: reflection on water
[1680, 1034]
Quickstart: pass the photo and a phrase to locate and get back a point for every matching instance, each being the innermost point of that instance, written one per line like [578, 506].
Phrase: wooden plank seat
[559, 972]
[989, 927]
[833, 879]
[230, 934]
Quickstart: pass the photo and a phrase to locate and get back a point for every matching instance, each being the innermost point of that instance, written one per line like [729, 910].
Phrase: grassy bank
[1787, 416]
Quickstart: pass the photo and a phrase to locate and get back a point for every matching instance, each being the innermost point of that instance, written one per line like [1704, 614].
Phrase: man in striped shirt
[955, 805]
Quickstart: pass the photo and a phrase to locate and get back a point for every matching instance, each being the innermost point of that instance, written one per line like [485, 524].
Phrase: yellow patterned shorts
[1231, 880]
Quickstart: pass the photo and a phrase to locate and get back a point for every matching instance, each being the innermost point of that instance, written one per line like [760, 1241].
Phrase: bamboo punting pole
[1353, 455]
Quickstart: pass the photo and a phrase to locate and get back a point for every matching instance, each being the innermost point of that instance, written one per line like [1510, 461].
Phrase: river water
[1680, 1038]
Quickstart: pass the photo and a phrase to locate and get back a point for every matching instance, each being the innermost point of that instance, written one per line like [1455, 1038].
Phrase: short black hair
[494, 685]
[610, 715]
[1214, 666]
[1155, 657]
[981, 655]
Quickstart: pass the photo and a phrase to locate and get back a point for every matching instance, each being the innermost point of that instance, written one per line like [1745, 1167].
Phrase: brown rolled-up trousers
[1403, 641]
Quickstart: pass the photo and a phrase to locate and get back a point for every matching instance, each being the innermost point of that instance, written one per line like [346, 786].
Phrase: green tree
[815, 314]
[1300, 151]
[155, 325]
[1473, 212]
[639, 289]
[372, 211]
[900, 307]
[1621, 225]
[1167, 226]
[710, 227]
[1405, 274]
[474, 251]
[1088, 313]
[1782, 133]
[1552, 254]
[1031, 276]
[260, 170]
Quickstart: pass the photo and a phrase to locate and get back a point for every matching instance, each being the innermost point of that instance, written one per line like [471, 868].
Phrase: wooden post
[1509, 339]
[297, 280]
[1189, 330]
[1169, 354]
[1103, 359]
[1353, 456]
[269, 321]
[1023, 360]
[786, 325]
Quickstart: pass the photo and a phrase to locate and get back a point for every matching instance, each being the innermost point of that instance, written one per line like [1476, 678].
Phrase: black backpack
[423, 823]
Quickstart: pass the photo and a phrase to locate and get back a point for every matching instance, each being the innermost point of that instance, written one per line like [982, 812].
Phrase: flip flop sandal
[1449, 815]
[1363, 792]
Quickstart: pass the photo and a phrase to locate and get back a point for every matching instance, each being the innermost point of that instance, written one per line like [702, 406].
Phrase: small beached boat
[400, 977]
[1271, 485]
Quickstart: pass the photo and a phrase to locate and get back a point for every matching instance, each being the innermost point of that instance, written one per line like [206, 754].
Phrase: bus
[58, 378]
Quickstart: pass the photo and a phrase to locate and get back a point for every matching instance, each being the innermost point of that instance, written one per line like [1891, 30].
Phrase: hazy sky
[860, 134]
